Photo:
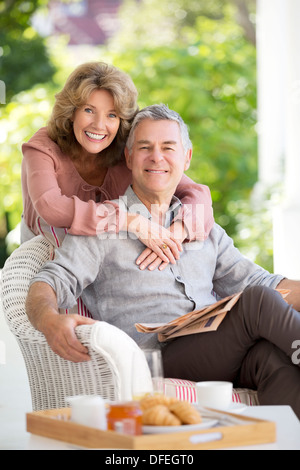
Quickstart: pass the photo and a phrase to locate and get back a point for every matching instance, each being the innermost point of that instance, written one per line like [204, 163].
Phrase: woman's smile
[96, 137]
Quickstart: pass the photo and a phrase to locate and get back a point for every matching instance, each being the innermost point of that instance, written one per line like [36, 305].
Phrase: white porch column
[271, 79]
[279, 105]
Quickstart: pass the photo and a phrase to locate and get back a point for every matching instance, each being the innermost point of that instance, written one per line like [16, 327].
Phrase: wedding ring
[164, 246]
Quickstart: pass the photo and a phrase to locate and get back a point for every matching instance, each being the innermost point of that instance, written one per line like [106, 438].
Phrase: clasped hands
[163, 245]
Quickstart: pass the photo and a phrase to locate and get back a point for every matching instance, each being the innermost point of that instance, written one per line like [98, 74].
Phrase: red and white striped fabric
[181, 389]
[53, 234]
[79, 309]
[186, 390]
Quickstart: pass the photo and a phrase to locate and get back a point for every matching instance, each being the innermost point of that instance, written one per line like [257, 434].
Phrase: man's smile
[156, 172]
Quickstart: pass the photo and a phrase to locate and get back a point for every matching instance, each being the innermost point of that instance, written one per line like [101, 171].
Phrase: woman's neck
[90, 170]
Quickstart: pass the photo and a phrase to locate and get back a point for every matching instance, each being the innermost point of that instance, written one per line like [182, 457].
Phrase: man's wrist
[46, 320]
[41, 305]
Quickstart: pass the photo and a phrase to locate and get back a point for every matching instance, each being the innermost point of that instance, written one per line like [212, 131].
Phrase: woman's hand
[163, 245]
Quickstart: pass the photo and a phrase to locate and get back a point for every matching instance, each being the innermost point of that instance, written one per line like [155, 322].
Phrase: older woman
[73, 169]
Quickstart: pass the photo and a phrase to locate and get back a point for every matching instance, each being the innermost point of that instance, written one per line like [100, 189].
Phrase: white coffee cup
[88, 410]
[214, 394]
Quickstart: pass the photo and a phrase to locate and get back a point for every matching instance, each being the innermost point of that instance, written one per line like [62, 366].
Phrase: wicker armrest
[17, 272]
[52, 378]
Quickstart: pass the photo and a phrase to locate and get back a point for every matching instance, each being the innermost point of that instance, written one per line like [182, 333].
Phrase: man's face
[157, 159]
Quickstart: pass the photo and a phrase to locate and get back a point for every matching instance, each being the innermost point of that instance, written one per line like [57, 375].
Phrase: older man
[252, 347]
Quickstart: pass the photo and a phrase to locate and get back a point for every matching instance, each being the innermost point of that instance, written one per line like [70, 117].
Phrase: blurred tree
[24, 58]
[161, 23]
[20, 119]
[197, 59]
[24, 61]
[28, 111]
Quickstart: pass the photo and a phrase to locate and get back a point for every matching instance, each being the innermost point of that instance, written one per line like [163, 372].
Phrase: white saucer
[205, 424]
[233, 408]
[237, 408]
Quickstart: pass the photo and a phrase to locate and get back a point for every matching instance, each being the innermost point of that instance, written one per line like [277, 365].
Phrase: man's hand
[59, 329]
[294, 297]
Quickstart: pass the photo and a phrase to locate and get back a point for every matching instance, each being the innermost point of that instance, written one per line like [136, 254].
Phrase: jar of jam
[125, 417]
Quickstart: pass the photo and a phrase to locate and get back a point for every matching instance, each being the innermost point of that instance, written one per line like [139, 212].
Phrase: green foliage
[24, 59]
[254, 230]
[192, 55]
[19, 120]
[24, 62]
[210, 80]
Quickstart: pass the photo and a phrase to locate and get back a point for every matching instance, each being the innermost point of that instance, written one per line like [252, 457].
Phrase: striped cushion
[186, 390]
[54, 235]
[79, 309]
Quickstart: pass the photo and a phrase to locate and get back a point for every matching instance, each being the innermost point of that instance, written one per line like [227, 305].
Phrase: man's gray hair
[160, 112]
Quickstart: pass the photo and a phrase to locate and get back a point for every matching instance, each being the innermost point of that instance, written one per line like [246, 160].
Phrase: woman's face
[96, 123]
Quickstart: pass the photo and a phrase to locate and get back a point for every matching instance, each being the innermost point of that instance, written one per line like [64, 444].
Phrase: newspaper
[198, 321]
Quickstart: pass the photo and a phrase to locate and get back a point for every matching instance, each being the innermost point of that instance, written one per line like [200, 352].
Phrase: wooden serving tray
[56, 424]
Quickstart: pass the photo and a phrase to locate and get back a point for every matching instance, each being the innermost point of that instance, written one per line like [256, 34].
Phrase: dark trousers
[253, 348]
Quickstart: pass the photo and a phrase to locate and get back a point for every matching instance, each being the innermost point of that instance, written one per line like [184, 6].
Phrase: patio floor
[15, 399]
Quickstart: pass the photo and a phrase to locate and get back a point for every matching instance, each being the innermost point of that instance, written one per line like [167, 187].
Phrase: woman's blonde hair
[78, 87]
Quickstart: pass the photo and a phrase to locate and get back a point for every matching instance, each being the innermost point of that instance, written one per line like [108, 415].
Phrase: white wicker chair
[51, 378]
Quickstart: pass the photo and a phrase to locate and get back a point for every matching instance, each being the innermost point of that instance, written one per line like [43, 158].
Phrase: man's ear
[128, 158]
[188, 158]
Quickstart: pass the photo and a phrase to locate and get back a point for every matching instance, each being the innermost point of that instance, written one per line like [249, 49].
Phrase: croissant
[159, 415]
[152, 400]
[185, 412]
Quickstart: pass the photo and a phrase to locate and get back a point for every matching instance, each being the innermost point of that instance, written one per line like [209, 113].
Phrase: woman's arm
[44, 195]
[53, 190]
[197, 213]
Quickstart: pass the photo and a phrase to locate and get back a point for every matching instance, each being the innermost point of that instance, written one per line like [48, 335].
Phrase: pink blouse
[54, 191]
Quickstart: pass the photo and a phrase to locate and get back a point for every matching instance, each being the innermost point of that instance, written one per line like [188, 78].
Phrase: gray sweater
[103, 272]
